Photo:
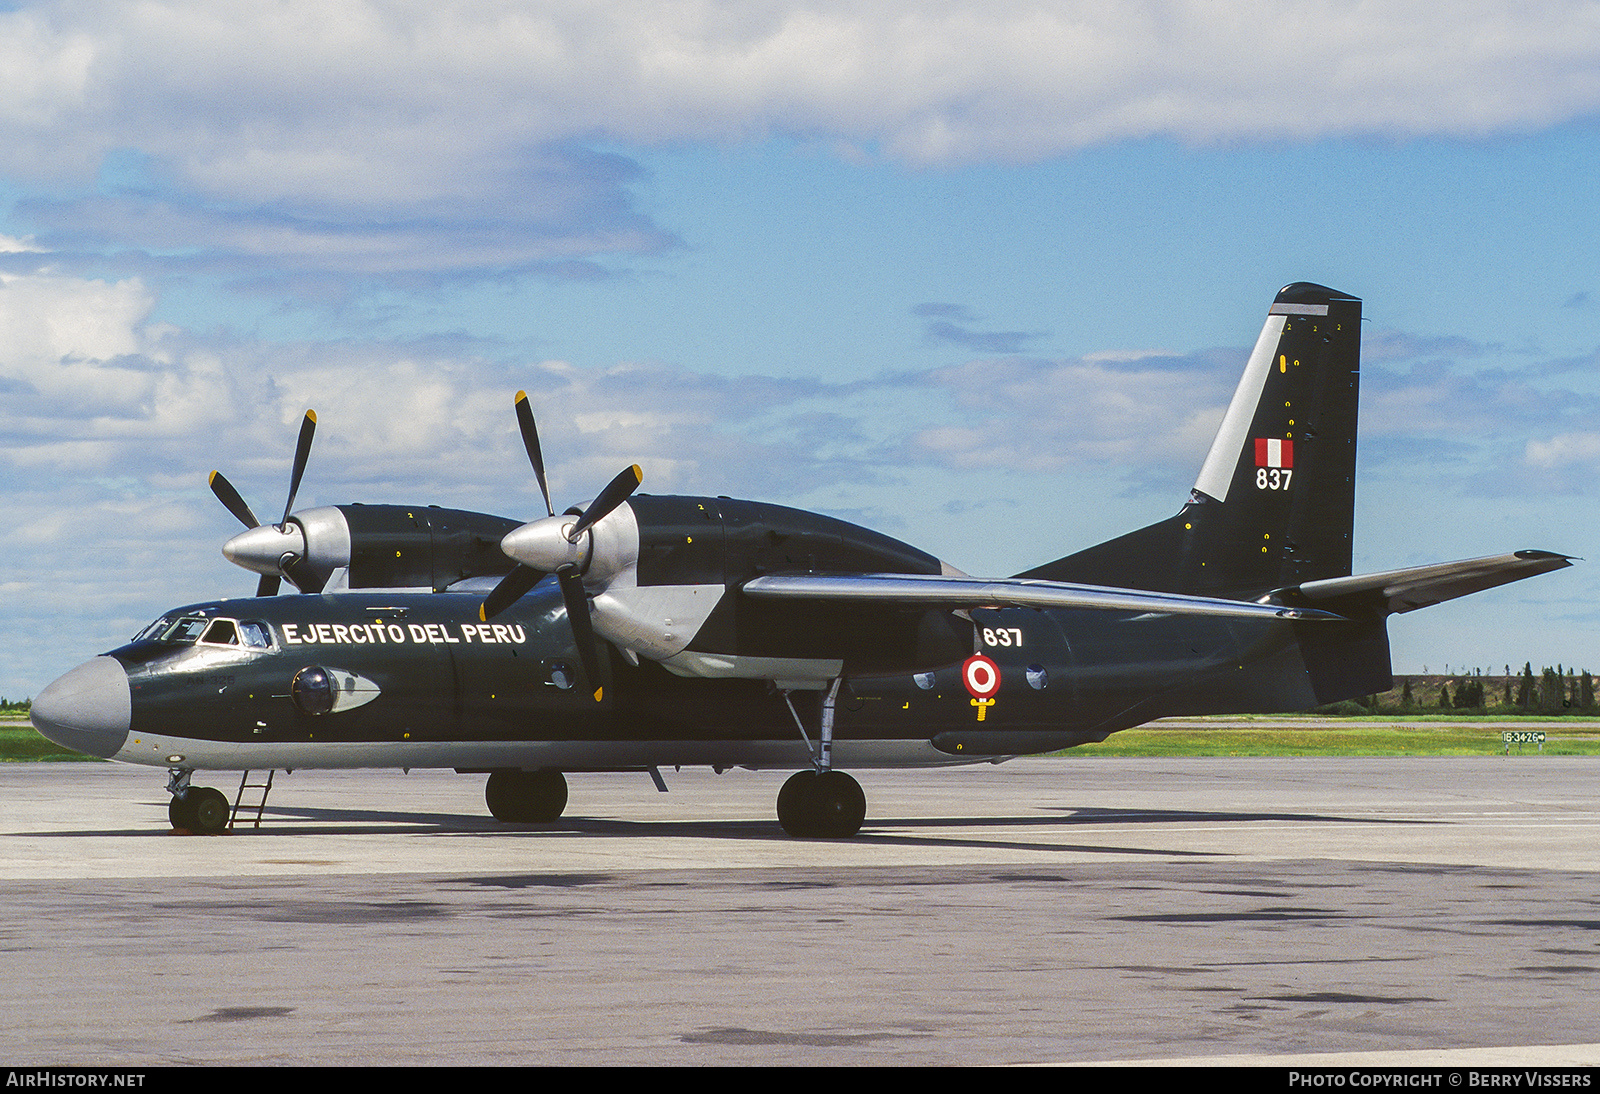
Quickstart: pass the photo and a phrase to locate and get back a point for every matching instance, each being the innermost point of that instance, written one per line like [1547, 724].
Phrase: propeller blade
[302, 452]
[511, 589]
[577, 602]
[616, 492]
[268, 585]
[530, 441]
[230, 498]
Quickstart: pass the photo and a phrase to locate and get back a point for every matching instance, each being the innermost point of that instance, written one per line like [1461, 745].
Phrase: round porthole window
[561, 676]
[312, 690]
[1037, 677]
[924, 680]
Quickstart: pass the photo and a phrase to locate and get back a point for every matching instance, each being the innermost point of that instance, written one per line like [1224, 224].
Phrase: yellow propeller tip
[312, 414]
[597, 692]
[482, 616]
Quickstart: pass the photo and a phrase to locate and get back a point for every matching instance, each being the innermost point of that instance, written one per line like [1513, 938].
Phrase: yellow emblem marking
[983, 706]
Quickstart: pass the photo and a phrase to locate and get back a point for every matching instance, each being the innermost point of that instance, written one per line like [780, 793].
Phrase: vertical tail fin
[1275, 499]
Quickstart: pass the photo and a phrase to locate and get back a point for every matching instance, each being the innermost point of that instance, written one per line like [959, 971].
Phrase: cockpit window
[222, 632]
[189, 629]
[154, 630]
[185, 630]
[255, 634]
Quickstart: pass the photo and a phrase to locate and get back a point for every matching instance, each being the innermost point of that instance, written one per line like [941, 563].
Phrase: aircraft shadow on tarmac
[325, 821]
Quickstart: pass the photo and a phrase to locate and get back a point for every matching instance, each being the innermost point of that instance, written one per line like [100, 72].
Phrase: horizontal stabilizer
[1407, 590]
[932, 590]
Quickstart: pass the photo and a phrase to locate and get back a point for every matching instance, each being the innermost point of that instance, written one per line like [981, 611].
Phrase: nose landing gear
[200, 809]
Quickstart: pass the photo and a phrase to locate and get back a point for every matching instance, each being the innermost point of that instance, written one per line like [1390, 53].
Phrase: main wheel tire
[838, 804]
[210, 810]
[796, 812]
[526, 797]
[826, 805]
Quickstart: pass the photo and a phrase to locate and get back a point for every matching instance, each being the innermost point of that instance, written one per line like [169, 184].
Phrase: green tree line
[1552, 691]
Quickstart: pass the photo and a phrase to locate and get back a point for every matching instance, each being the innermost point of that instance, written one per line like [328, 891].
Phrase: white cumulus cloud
[368, 134]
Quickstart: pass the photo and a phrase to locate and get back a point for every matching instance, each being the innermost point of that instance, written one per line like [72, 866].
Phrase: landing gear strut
[821, 802]
[526, 797]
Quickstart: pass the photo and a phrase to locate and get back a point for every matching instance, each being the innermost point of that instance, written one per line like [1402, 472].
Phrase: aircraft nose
[89, 709]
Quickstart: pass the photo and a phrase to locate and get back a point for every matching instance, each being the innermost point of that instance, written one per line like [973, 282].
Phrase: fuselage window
[222, 632]
[255, 634]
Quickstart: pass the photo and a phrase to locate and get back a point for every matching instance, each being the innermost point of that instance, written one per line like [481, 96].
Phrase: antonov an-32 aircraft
[642, 632]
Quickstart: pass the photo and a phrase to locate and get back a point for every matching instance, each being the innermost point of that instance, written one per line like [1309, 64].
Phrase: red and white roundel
[981, 675]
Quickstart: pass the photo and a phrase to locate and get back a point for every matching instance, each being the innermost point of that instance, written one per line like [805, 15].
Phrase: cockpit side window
[222, 632]
[255, 634]
[154, 630]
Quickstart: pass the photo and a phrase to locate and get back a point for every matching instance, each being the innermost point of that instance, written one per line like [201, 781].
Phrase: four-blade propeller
[552, 546]
[269, 545]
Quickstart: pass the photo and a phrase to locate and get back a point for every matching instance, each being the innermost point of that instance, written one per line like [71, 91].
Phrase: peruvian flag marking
[1273, 452]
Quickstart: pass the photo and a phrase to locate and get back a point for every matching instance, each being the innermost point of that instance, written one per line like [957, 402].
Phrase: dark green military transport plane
[648, 631]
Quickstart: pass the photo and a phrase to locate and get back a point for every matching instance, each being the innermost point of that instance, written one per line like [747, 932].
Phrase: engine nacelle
[381, 546]
[666, 573]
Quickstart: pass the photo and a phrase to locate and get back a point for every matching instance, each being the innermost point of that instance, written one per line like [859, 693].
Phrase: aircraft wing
[933, 590]
[1421, 586]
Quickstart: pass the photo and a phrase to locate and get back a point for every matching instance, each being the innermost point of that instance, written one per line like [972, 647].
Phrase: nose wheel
[200, 809]
[821, 804]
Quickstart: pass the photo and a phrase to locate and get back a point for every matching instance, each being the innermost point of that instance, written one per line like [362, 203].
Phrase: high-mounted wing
[1395, 591]
[969, 592]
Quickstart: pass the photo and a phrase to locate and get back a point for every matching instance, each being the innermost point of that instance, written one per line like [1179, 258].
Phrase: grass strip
[1257, 735]
[1347, 737]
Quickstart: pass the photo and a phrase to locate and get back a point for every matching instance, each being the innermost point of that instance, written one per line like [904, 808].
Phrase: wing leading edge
[969, 592]
[1327, 600]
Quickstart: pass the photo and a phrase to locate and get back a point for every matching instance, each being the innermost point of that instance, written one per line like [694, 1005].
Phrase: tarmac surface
[1363, 912]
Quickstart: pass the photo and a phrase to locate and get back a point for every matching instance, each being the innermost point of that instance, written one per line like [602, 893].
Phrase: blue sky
[981, 276]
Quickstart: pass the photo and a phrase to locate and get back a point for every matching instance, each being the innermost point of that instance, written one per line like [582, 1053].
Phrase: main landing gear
[199, 809]
[526, 797]
[821, 803]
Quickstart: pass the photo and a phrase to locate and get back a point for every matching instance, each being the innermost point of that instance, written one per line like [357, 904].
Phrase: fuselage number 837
[1002, 636]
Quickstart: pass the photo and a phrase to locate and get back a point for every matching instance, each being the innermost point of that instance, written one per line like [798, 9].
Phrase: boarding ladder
[256, 806]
